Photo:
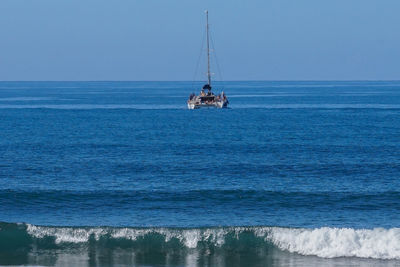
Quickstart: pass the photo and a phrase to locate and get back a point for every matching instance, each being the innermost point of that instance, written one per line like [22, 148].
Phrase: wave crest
[378, 243]
[327, 242]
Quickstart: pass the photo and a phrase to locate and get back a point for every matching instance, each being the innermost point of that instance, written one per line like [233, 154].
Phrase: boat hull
[219, 104]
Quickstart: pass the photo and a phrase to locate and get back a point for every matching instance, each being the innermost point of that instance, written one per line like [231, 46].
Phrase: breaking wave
[325, 242]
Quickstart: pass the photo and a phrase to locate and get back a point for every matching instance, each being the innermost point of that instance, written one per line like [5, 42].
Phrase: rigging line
[198, 60]
[216, 61]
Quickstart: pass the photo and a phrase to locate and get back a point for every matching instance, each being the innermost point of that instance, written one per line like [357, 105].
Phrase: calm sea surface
[122, 173]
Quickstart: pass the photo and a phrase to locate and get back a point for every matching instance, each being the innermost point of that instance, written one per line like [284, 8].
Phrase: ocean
[299, 173]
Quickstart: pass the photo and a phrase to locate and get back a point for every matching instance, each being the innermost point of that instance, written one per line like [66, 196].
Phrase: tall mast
[208, 54]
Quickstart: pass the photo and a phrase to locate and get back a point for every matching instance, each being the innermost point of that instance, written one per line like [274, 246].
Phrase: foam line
[323, 242]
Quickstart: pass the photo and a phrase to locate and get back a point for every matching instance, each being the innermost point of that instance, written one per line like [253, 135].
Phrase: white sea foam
[189, 237]
[65, 234]
[327, 242]
[323, 242]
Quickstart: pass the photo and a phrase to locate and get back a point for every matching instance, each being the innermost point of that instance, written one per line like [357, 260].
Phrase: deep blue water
[297, 155]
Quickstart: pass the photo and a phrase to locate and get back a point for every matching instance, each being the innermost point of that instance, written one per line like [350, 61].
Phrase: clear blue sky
[161, 39]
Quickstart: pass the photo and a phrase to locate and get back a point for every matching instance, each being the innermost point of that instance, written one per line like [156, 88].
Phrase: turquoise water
[121, 173]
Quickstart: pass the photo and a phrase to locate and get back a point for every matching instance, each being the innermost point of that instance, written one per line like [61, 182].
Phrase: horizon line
[300, 80]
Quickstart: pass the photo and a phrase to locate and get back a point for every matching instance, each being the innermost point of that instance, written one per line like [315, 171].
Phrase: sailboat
[207, 98]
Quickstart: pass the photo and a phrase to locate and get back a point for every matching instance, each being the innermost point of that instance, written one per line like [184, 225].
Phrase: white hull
[219, 104]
